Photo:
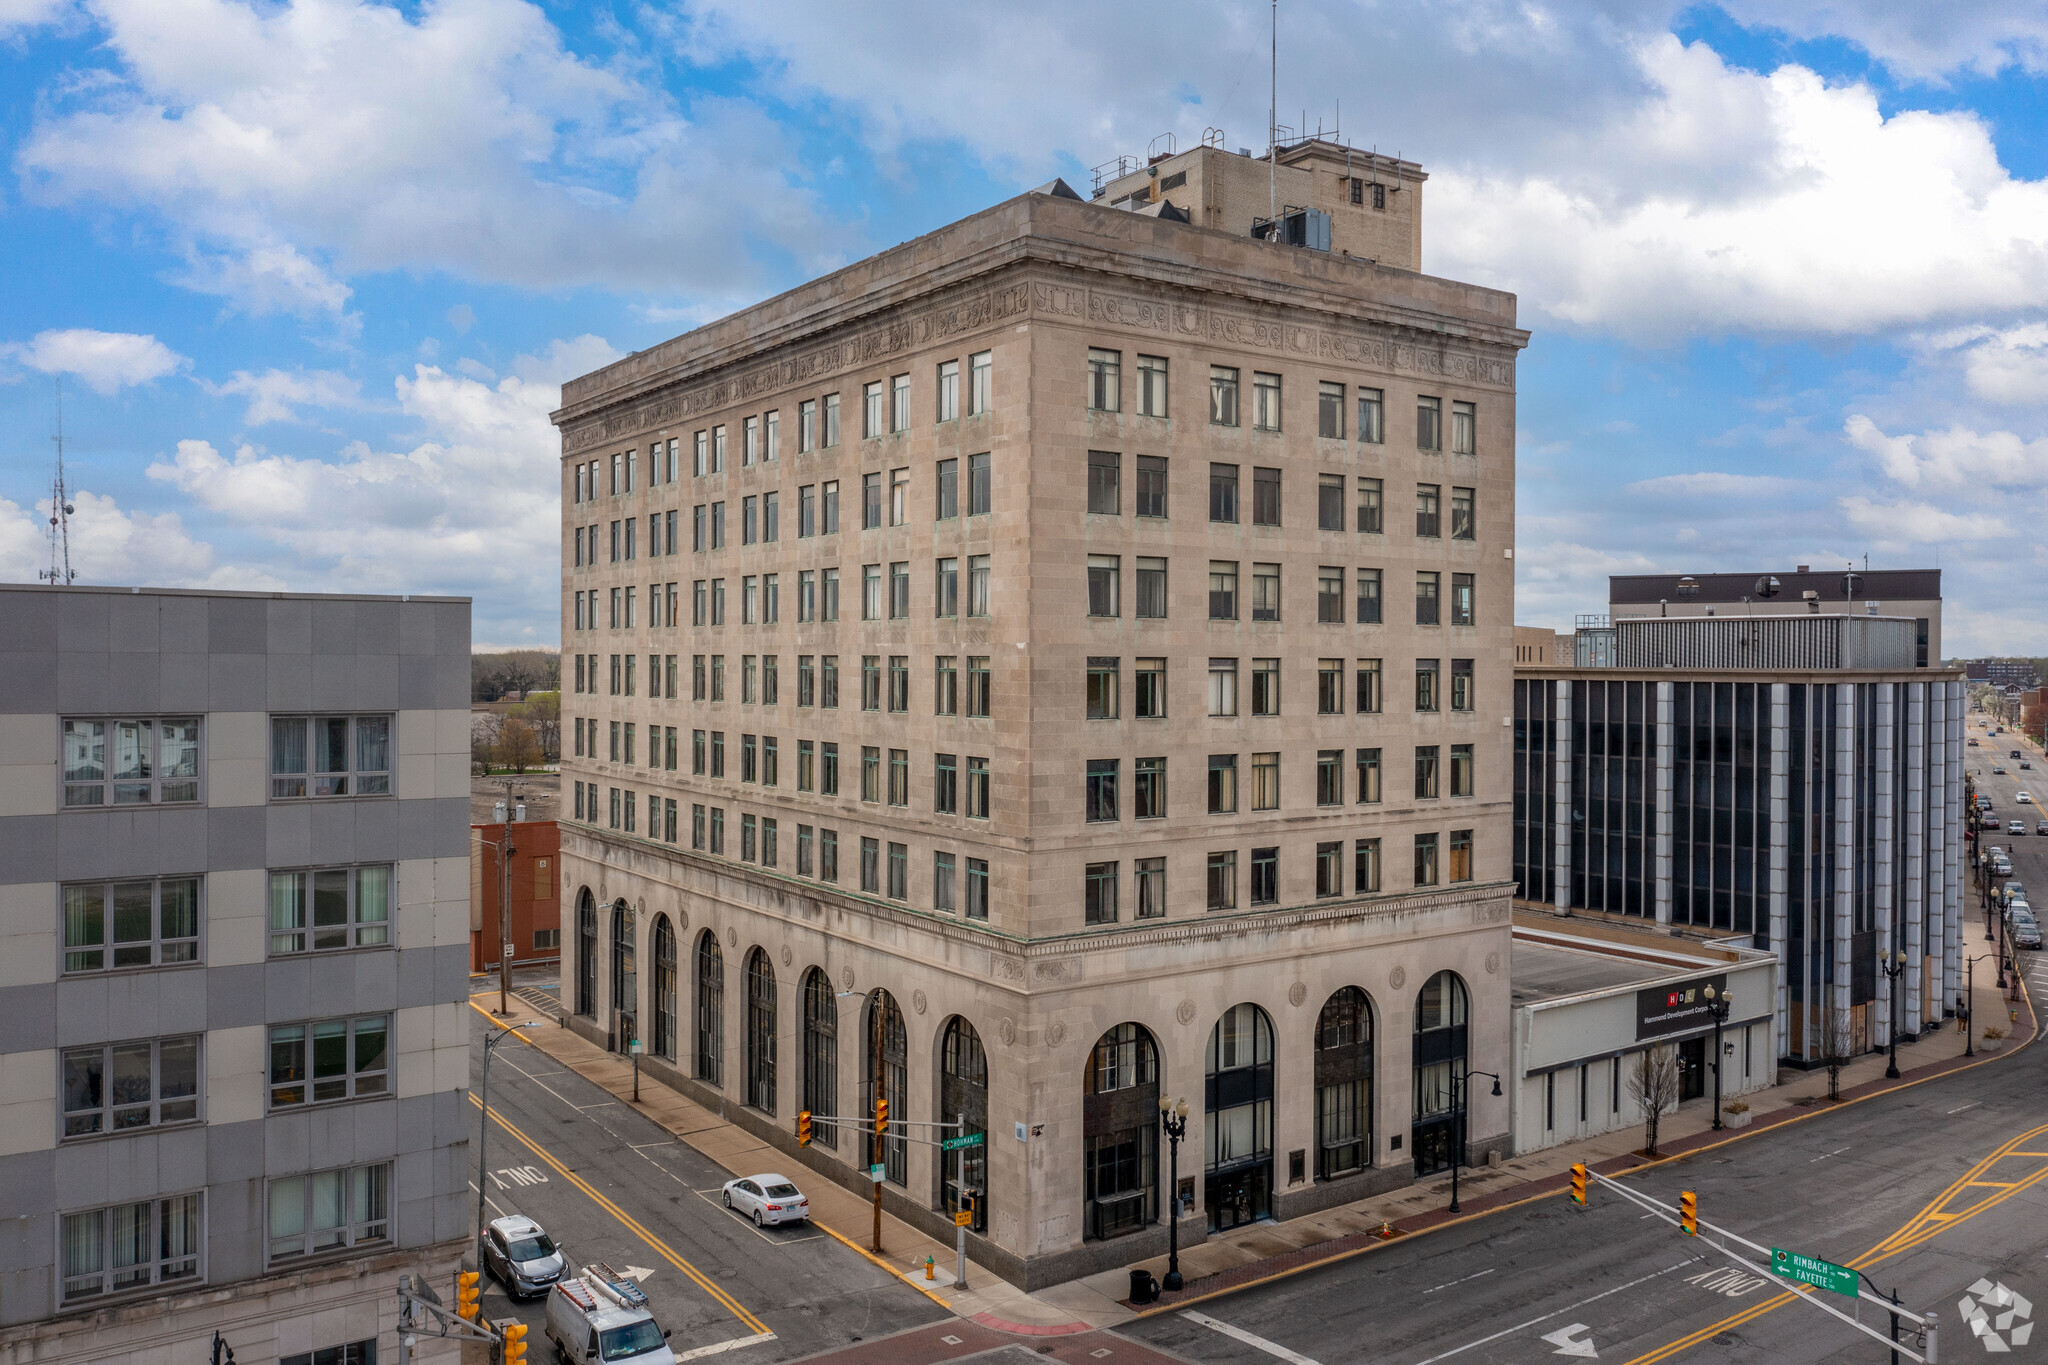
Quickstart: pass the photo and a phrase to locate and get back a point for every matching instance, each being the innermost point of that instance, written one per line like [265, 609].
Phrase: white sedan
[2023, 798]
[769, 1199]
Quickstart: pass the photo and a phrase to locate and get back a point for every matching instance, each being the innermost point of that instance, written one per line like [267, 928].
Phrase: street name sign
[1792, 1265]
[954, 1144]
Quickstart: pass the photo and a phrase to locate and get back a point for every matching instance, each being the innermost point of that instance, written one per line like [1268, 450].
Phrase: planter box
[1739, 1120]
[1990, 1044]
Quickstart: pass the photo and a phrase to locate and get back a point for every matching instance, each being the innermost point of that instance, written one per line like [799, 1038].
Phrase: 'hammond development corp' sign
[1664, 1010]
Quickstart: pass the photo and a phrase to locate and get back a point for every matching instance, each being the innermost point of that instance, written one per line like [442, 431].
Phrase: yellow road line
[633, 1225]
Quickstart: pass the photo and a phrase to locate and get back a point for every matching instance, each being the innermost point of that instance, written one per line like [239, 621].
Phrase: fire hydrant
[928, 1264]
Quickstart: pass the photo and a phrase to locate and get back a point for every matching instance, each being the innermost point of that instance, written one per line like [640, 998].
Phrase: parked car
[2025, 932]
[769, 1199]
[1973, 743]
[2041, 827]
[521, 1256]
[2026, 765]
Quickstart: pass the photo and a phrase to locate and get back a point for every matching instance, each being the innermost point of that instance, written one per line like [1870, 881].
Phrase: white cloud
[110, 545]
[24, 14]
[275, 395]
[2008, 366]
[289, 146]
[1712, 484]
[106, 361]
[1953, 459]
[1919, 523]
[1917, 41]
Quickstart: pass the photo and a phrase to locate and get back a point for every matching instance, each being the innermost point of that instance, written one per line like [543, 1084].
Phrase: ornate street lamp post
[1461, 1090]
[1893, 966]
[1718, 1005]
[1173, 1117]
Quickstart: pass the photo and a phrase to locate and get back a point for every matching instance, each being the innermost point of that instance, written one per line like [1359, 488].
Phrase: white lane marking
[1239, 1334]
[1460, 1350]
[1566, 1346]
[488, 1200]
[1448, 1283]
[1959, 1109]
[1825, 1155]
[717, 1346]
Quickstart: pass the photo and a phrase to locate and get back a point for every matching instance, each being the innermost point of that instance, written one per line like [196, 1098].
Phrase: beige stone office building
[1067, 656]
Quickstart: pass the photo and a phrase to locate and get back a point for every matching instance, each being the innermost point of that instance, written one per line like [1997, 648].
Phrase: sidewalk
[1262, 1251]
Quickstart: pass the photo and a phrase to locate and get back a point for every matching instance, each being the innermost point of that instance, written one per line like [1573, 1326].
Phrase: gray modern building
[1815, 813]
[233, 889]
[1914, 594]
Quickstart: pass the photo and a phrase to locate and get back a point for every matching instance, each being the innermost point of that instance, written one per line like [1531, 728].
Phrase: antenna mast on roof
[60, 573]
[1273, 128]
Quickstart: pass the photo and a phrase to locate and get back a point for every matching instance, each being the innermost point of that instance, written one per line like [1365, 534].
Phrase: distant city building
[1073, 654]
[233, 1053]
[2004, 674]
[1813, 812]
[1911, 593]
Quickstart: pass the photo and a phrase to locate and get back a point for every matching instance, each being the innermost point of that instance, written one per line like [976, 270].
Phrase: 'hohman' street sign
[954, 1144]
[1813, 1270]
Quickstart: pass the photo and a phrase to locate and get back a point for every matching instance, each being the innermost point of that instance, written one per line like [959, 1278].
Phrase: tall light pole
[483, 1134]
[1893, 966]
[1718, 1005]
[1173, 1117]
[1461, 1089]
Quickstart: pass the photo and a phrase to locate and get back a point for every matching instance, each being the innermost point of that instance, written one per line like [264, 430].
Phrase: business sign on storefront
[1664, 1010]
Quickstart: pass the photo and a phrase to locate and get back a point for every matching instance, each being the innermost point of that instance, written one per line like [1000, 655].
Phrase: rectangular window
[806, 681]
[980, 375]
[870, 682]
[977, 888]
[977, 788]
[1464, 435]
[1222, 784]
[718, 601]
[831, 434]
[1369, 597]
[718, 753]
[1330, 595]
[949, 391]
[899, 590]
[1222, 687]
[749, 759]
[946, 588]
[1368, 777]
[946, 685]
[1372, 416]
[1461, 770]
[1365, 866]
[979, 490]
[126, 1086]
[874, 413]
[1265, 687]
[978, 688]
[750, 516]
[1222, 880]
[870, 592]
[828, 595]
[1370, 506]
[1151, 588]
[1105, 384]
[942, 883]
[899, 402]
[1222, 590]
[718, 831]
[718, 525]
[1265, 401]
[329, 1059]
[1425, 684]
[806, 511]
[750, 601]
[700, 462]
[1148, 789]
[1266, 781]
[322, 756]
[129, 1246]
[899, 682]
[1462, 611]
[1101, 790]
[1265, 497]
[1428, 510]
[1329, 502]
[1429, 423]
[329, 1210]
[1330, 410]
[1330, 868]
[1104, 688]
[1148, 885]
[1222, 396]
[1223, 493]
[1151, 486]
[870, 501]
[899, 496]
[871, 774]
[1265, 592]
[1464, 513]
[1427, 583]
[1148, 691]
[331, 907]
[142, 923]
[1103, 576]
[1099, 893]
[1461, 685]
[746, 838]
[806, 595]
[828, 507]
[1152, 386]
[771, 517]
[828, 768]
[806, 426]
[828, 855]
[947, 486]
[1425, 772]
[977, 585]
[750, 441]
[1329, 687]
[945, 784]
[1105, 468]
[871, 866]
[806, 765]
[1425, 860]
[805, 841]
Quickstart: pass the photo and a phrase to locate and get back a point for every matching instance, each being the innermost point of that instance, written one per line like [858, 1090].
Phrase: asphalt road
[1928, 1191]
[610, 1185]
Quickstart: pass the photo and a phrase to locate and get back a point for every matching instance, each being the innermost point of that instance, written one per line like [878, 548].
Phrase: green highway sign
[1792, 1265]
[954, 1144]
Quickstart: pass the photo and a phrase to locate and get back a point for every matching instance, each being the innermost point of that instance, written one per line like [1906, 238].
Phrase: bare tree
[1653, 1084]
[1837, 1043]
[483, 739]
[517, 747]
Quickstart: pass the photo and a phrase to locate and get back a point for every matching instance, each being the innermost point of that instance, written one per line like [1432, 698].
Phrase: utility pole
[505, 852]
[1273, 127]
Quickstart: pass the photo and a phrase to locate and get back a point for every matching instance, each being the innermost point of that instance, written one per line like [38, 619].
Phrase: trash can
[1144, 1288]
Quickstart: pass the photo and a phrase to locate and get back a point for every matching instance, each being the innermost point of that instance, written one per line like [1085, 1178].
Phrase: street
[611, 1186]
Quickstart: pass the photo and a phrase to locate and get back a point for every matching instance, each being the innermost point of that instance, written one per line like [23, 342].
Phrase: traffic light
[1579, 1183]
[466, 1295]
[882, 1115]
[1689, 1214]
[803, 1128]
[515, 1344]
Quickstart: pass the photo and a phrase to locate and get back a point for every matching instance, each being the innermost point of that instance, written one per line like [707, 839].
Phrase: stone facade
[710, 948]
[193, 985]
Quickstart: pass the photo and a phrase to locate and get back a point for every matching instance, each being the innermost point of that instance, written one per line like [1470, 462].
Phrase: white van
[592, 1319]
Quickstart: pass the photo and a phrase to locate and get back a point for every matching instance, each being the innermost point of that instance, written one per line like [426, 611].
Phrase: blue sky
[312, 272]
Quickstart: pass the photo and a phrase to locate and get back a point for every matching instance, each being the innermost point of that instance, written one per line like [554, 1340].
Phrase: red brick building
[535, 928]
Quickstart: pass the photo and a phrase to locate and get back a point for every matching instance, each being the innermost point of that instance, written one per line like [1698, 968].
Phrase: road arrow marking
[1562, 1339]
[636, 1273]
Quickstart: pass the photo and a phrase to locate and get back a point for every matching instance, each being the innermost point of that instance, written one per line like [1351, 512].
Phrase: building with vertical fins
[1790, 782]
